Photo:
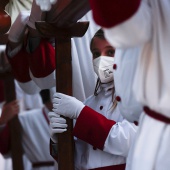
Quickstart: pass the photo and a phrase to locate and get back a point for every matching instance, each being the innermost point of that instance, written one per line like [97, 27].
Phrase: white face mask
[103, 67]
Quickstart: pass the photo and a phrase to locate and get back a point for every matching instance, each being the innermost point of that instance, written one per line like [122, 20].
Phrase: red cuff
[42, 60]
[112, 12]
[5, 141]
[92, 127]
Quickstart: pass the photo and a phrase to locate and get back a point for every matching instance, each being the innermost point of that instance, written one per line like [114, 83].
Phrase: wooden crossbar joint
[50, 30]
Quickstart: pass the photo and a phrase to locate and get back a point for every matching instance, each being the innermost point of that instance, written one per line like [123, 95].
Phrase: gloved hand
[45, 5]
[9, 111]
[67, 106]
[17, 30]
[57, 125]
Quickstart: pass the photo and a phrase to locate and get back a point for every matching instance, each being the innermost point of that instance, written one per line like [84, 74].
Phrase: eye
[111, 52]
[96, 54]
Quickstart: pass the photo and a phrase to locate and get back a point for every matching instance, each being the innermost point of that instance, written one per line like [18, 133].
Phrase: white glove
[67, 106]
[17, 30]
[45, 5]
[57, 125]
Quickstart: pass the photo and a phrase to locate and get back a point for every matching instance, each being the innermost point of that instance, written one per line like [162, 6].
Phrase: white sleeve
[135, 31]
[120, 138]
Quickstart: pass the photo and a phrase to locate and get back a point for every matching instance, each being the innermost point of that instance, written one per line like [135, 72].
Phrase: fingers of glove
[56, 100]
[53, 1]
[59, 130]
[24, 15]
[55, 106]
[37, 2]
[58, 95]
[52, 114]
[45, 7]
[58, 126]
[58, 120]
[56, 111]
[59, 98]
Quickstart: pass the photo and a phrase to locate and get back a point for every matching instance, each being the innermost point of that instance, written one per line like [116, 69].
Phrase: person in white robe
[144, 23]
[35, 135]
[103, 146]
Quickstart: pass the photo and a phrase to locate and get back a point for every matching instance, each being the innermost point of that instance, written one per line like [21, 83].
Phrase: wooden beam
[64, 85]
[14, 124]
[64, 81]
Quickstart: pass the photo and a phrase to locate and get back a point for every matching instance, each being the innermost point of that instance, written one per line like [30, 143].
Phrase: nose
[103, 54]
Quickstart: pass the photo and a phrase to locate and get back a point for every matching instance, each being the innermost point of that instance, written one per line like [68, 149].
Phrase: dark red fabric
[42, 60]
[20, 66]
[92, 127]
[156, 115]
[5, 140]
[108, 13]
[114, 167]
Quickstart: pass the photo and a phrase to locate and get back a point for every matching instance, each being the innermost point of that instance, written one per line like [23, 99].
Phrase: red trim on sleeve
[112, 12]
[42, 60]
[20, 66]
[92, 127]
[5, 140]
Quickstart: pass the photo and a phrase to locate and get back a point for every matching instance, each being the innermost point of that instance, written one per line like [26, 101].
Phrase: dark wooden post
[64, 81]
[15, 127]
[64, 85]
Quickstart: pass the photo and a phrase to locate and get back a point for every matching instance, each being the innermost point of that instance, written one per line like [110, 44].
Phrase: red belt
[42, 164]
[113, 167]
[156, 115]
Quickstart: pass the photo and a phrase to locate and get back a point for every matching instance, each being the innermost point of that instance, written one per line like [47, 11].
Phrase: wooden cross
[64, 28]
[14, 124]
[63, 37]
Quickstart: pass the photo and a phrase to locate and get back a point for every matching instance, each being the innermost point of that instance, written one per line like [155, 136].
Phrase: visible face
[101, 47]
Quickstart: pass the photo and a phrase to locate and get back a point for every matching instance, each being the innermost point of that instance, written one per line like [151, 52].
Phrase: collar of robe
[107, 87]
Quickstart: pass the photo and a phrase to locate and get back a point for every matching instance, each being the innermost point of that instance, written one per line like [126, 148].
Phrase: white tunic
[35, 137]
[26, 102]
[150, 28]
[125, 63]
[118, 141]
